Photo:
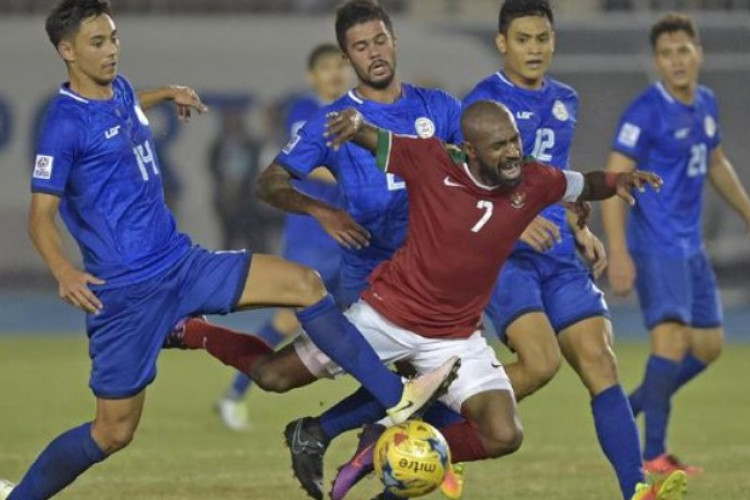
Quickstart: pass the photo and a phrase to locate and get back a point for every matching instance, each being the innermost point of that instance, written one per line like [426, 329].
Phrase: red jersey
[460, 234]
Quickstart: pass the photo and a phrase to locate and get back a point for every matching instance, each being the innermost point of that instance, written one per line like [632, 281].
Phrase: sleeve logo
[629, 134]
[291, 144]
[43, 167]
[709, 124]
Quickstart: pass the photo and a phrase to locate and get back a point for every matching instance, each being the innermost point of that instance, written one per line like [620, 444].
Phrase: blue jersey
[375, 200]
[546, 119]
[98, 157]
[674, 140]
[300, 110]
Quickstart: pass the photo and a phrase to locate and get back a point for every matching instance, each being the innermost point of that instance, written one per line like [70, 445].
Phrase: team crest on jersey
[559, 111]
[43, 167]
[517, 200]
[291, 144]
[425, 128]
[141, 116]
[710, 125]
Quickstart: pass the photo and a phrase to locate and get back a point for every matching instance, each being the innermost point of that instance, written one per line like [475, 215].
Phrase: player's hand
[638, 179]
[342, 126]
[186, 100]
[541, 234]
[342, 228]
[582, 209]
[73, 289]
[621, 272]
[592, 250]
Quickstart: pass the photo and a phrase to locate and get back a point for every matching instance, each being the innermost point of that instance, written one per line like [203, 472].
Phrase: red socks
[464, 442]
[232, 348]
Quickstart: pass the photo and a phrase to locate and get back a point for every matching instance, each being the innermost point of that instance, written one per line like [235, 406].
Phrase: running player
[545, 300]
[672, 129]
[95, 166]
[468, 207]
[305, 242]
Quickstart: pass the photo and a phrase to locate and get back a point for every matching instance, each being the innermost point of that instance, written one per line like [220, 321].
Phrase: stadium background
[251, 53]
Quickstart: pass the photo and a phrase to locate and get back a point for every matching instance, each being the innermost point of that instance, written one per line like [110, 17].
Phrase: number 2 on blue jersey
[545, 141]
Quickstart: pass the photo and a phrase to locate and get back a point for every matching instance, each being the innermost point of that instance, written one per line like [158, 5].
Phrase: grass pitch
[182, 452]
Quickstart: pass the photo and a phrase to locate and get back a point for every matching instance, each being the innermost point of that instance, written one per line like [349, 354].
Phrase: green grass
[182, 452]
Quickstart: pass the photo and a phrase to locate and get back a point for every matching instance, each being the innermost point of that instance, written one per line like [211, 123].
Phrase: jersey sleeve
[715, 134]
[452, 108]
[306, 150]
[551, 182]
[631, 137]
[403, 155]
[296, 117]
[58, 147]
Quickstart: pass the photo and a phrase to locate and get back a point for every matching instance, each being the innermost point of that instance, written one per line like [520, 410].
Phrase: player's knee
[115, 437]
[504, 440]
[271, 378]
[309, 286]
[542, 368]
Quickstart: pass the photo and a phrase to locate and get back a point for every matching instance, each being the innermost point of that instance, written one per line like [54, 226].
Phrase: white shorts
[480, 369]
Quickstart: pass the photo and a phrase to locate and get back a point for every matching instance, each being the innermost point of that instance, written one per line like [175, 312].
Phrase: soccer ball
[411, 458]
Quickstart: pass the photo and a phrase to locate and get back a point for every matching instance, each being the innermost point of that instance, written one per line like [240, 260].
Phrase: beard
[495, 177]
[364, 77]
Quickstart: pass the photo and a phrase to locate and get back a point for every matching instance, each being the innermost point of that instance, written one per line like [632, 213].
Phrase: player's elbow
[273, 178]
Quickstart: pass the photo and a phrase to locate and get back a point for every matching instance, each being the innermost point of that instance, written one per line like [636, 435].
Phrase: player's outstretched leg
[586, 346]
[231, 406]
[274, 281]
[73, 452]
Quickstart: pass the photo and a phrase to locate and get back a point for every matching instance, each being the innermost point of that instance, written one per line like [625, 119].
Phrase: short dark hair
[322, 50]
[671, 22]
[66, 17]
[513, 9]
[357, 12]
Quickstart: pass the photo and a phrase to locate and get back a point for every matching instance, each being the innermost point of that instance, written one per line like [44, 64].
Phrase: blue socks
[618, 437]
[439, 415]
[690, 367]
[659, 384]
[64, 459]
[241, 383]
[344, 344]
[350, 413]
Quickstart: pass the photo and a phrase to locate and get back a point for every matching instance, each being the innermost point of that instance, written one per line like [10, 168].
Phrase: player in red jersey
[468, 207]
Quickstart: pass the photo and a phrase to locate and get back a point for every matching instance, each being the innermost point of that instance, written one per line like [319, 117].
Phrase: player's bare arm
[621, 271]
[602, 185]
[185, 98]
[72, 282]
[587, 242]
[724, 179]
[275, 188]
[349, 125]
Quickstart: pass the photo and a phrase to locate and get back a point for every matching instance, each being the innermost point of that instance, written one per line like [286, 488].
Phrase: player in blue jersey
[95, 166]
[305, 241]
[545, 300]
[672, 128]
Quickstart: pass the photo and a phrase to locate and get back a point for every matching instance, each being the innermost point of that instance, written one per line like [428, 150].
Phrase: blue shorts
[559, 286]
[306, 243]
[681, 289]
[126, 337]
